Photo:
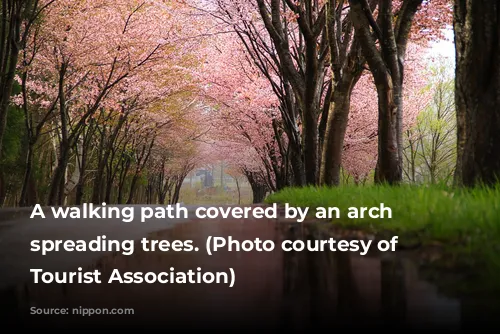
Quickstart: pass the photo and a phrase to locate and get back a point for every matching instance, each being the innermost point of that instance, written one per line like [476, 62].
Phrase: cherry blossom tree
[360, 148]
[387, 67]
[244, 110]
[82, 70]
[287, 53]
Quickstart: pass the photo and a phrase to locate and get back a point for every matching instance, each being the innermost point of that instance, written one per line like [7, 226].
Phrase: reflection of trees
[321, 282]
[319, 287]
[393, 291]
[9, 305]
[349, 299]
[293, 264]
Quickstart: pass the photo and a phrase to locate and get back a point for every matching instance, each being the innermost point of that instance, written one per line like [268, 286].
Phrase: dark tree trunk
[347, 66]
[149, 193]
[324, 121]
[333, 145]
[109, 186]
[81, 179]
[177, 191]
[125, 166]
[79, 193]
[133, 186]
[299, 175]
[101, 165]
[163, 188]
[108, 141]
[57, 184]
[9, 54]
[259, 186]
[32, 192]
[311, 145]
[389, 165]
[112, 171]
[163, 183]
[162, 197]
[477, 39]
[239, 189]
[259, 192]
[3, 187]
[23, 201]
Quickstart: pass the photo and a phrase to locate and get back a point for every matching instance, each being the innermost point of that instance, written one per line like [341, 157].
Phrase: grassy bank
[465, 222]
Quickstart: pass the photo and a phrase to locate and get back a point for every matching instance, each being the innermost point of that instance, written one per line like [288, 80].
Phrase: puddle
[273, 291]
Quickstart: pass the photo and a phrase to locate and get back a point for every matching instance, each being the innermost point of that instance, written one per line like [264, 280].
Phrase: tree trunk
[477, 38]
[108, 140]
[177, 191]
[259, 187]
[239, 190]
[32, 191]
[125, 166]
[57, 184]
[162, 193]
[109, 186]
[23, 201]
[310, 148]
[79, 193]
[299, 175]
[101, 165]
[3, 187]
[389, 165]
[75, 178]
[386, 63]
[333, 145]
[133, 186]
[259, 192]
[9, 55]
[81, 179]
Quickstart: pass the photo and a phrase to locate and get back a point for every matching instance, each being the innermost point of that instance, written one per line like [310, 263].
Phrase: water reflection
[290, 291]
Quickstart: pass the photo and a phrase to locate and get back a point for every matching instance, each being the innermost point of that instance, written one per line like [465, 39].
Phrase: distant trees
[430, 144]
[98, 88]
[477, 40]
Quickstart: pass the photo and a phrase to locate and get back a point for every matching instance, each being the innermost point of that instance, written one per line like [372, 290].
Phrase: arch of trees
[117, 101]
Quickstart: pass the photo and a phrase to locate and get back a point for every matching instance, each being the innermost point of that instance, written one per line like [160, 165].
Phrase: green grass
[466, 222]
